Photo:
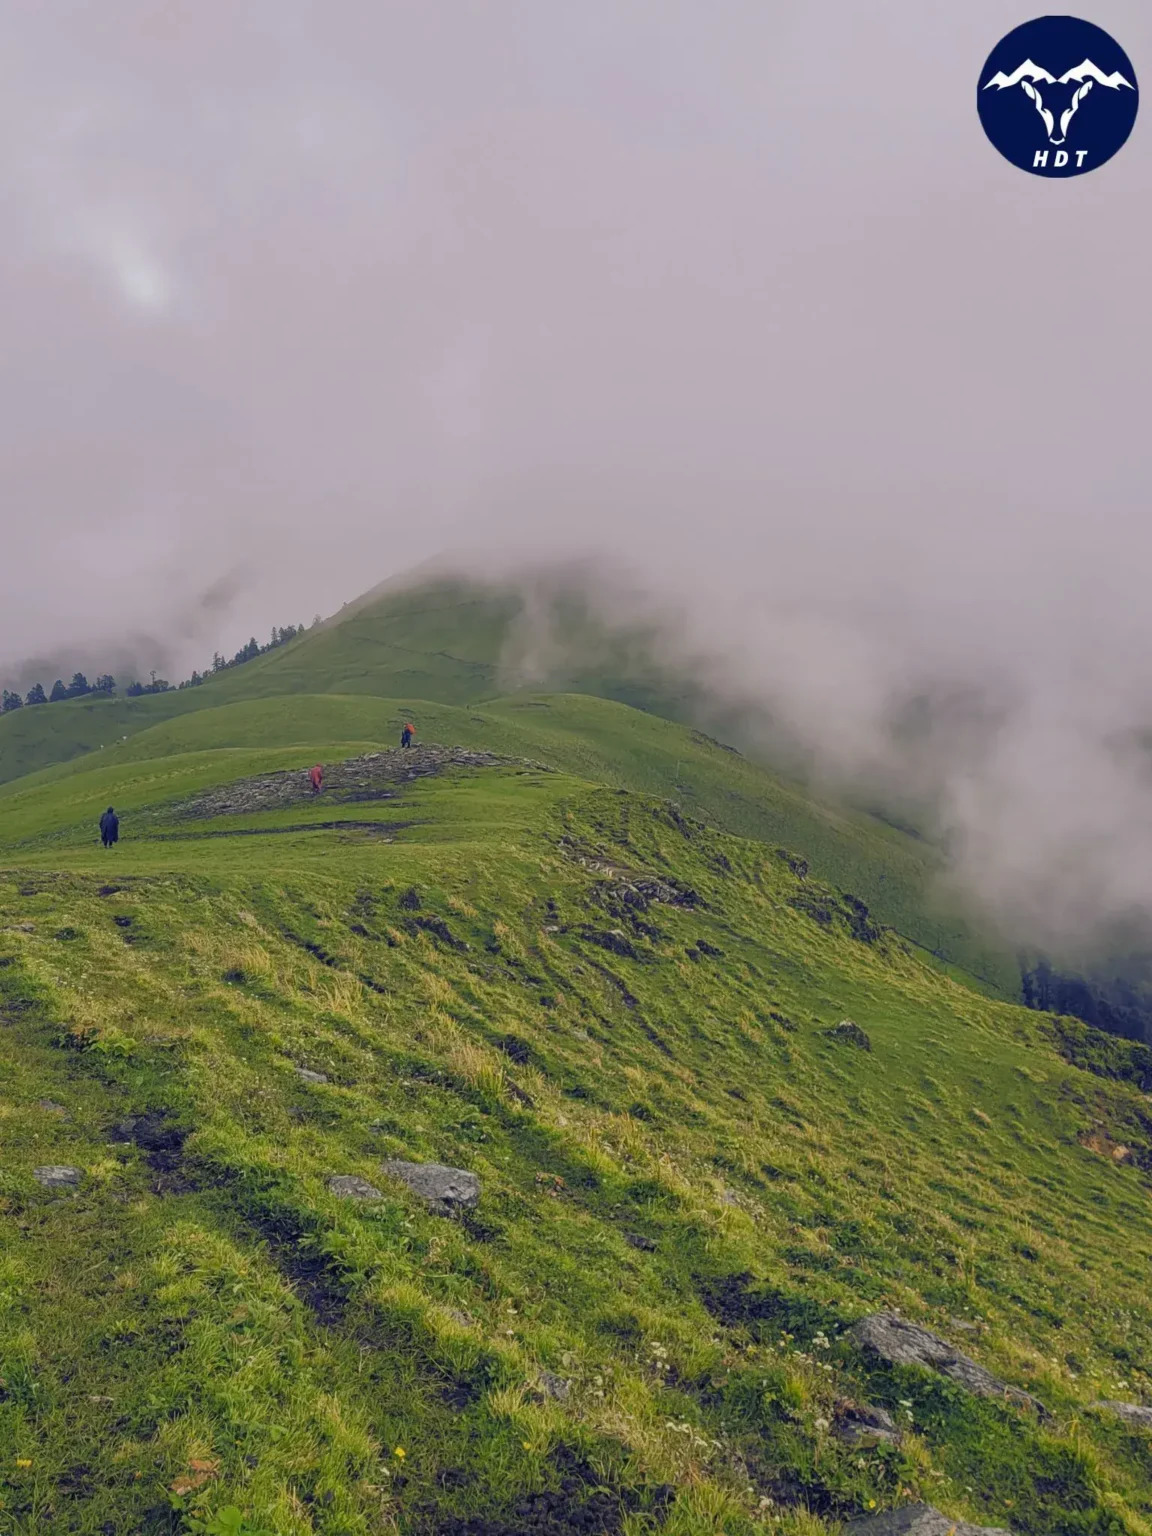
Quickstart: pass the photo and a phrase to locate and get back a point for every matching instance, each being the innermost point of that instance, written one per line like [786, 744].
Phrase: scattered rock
[350, 1186]
[57, 1176]
[410, 900]
[965, 1325]
[850, 1033]
[51, 1107]
[444, 1190]
[614, 940]
[864, 1425]
[440, 930]
[553, 1386]
[919, 1520]
[730, 1197]
[306, 1075]
[902, 1343]
[638, 1240]
[1132, 1413]
[459, 1317]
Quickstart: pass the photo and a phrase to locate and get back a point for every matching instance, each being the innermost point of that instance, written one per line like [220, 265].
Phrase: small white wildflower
[821, 1424]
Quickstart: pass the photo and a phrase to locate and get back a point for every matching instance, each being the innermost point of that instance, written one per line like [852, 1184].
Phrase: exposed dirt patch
[381, 829]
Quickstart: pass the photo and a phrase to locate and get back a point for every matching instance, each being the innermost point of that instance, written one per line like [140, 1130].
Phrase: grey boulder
[444, 1190]
[306, 1075]
[919, 1520]
[57, 1176]
[902, 1343]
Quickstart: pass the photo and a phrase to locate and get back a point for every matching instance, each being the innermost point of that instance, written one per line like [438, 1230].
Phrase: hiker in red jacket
[317, 778]
[406, 736]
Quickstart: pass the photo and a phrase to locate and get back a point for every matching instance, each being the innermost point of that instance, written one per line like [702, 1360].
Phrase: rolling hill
[227, 1041]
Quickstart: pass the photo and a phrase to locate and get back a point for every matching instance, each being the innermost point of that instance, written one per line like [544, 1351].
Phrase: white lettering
[1081, 156]
[1061, 157]
[1041, 158]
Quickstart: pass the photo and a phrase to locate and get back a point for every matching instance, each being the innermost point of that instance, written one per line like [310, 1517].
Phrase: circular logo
[1058, 96]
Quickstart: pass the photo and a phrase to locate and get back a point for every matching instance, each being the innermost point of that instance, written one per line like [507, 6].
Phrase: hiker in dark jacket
[109, 828]
[406, 736]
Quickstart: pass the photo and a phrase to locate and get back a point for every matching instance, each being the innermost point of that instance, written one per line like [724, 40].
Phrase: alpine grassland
[720, 1101]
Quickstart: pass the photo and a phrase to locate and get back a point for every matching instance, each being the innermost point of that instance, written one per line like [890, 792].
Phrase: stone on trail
[350, 1186]
[57, 1176]
[861, 1424]
[919, 1520]
[1132, 1413]
[444, 1190]
[902, 1343]
[306, 1075]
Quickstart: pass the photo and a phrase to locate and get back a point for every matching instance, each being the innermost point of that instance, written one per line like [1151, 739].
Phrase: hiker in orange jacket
[406, 736]
[317, 779]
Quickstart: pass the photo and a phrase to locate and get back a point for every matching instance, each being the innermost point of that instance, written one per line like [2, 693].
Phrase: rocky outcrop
[919, 1520]
[375, 776]
[1132, 1413]
[902, 1343]
[445, 1191]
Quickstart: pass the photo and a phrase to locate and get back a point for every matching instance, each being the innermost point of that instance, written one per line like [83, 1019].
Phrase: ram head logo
[1030, 77]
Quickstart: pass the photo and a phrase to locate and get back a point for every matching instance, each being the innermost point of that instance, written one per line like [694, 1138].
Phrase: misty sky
[296, 295]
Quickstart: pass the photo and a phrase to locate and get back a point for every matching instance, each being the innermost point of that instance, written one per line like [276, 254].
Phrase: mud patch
[741, 1301]
[583, 1503]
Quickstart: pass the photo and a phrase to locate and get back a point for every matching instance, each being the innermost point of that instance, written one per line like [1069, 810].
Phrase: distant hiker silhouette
[317, 779]
[406, 736]
[109, 828]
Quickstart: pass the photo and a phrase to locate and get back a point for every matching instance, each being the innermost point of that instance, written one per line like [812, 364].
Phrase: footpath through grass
[615, 1016]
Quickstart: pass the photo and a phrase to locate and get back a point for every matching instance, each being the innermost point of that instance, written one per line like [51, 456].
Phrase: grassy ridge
[596, 739]
[688, 1188]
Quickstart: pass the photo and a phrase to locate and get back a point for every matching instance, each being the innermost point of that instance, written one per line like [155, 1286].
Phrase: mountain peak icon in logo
[1030, 76]
[1089, 106]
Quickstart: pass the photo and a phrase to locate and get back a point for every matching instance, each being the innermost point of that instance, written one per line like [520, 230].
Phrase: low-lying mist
[1017, 740]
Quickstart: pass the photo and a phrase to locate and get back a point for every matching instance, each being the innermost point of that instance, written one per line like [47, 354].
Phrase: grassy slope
[220, 1324]
[595, 738]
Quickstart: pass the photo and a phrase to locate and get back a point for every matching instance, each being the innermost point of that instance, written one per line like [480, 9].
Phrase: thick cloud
[297, 295]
